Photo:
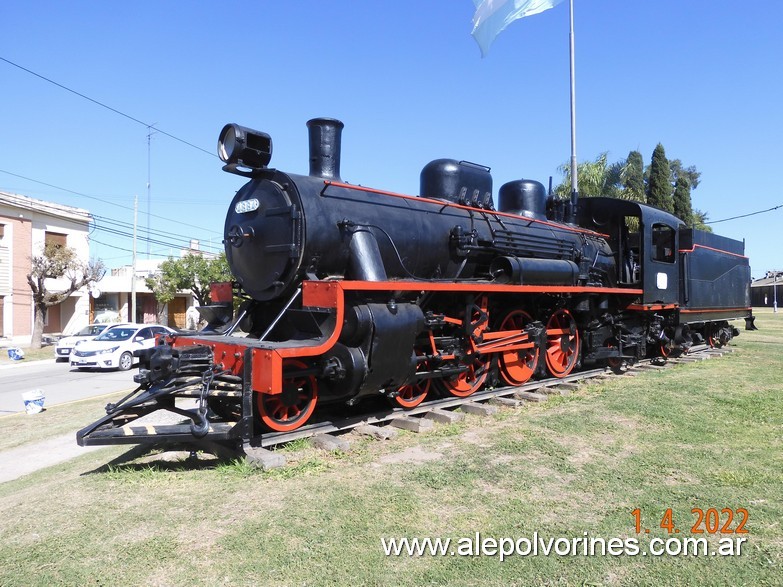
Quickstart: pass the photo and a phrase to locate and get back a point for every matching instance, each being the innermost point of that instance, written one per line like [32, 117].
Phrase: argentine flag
[492, 16]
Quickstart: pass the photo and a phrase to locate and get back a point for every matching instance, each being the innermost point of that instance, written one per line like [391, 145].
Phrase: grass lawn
[703, 435]
[45, 352]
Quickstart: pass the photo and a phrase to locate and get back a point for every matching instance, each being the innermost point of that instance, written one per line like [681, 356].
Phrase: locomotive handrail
[697, 246]
[352, 285]
[447, 204]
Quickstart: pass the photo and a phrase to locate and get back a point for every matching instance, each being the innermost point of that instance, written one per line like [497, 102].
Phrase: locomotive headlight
[241, 147]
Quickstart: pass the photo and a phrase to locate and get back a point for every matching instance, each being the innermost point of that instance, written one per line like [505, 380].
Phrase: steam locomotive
[352, 293]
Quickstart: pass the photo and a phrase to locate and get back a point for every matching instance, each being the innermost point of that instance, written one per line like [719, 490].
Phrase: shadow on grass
[170, 459]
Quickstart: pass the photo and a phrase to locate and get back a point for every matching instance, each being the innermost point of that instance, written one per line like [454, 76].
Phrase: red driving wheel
[562, 338]
[291, 408]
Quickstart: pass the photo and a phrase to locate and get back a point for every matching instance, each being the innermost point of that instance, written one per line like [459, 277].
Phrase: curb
[24, 363]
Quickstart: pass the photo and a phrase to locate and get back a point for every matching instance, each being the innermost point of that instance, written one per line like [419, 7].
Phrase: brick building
[26, 225]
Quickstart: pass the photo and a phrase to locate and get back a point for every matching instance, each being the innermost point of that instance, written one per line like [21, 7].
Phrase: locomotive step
[154, 434]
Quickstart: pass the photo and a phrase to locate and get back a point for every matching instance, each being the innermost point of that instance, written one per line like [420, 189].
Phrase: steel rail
[379, 417]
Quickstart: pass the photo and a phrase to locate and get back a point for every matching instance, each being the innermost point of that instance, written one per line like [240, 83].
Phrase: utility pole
[574, 170]
[150, 132]
[132, 316]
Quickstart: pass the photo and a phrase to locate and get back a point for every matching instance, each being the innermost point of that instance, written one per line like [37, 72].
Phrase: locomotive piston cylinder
[539, 271]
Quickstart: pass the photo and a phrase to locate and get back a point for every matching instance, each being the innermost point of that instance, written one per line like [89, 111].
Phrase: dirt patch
[477, 436]
[414, 455]
[504, 459]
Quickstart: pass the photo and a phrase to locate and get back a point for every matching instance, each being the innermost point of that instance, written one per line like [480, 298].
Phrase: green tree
[682, 201]
[191, 272]
[677, 171]
[633, 178]
[700, 220]
[659, 187]
[596, 178]
[56, 262]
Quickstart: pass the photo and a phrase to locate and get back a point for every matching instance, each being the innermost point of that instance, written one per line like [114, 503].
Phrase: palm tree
[596, 178]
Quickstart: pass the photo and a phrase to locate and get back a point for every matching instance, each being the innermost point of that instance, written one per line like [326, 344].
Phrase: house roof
[771, 278]
[44, 207]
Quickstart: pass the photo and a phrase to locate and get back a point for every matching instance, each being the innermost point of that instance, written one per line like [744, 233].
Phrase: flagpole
[574, 178]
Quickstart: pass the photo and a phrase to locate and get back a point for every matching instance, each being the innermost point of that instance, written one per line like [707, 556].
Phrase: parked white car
[114, 347]
[64, 346]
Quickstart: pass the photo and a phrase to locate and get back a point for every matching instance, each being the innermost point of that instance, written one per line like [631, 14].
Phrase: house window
[56, 239]
[663, 243]
[2, 231]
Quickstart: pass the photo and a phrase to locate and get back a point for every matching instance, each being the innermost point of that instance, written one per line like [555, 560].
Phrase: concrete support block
[412, 424]
[530, 396]
[478, 409]
[264, 459]
[377, 432]
[507, 402]
[330, 443]
[549, 390]
[442, 416]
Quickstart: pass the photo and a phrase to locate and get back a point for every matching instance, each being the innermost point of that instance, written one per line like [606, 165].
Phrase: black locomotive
[352, 292]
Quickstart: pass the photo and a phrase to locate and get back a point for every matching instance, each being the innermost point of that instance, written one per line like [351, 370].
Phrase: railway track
[533, 390]
[328, 433]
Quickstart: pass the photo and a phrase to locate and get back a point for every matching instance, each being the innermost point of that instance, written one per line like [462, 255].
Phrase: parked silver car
[64, 346]
[114, 347]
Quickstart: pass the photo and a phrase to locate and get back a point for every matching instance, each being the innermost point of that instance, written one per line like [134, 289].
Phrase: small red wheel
[613, 362]
[468, 382]
[411, 395]
[290, 409]
[714, 341]
[517, 366]
[562, 347]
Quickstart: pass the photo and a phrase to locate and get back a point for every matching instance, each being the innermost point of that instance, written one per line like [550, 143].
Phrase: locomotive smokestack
[325, 139]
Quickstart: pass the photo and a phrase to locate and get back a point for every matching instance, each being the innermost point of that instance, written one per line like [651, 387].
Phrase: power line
[148, 239]
[149, 232]
[97, 242]
[98, 199]
[745, 215]
[40, 206]
[113, 226]
[101, 104]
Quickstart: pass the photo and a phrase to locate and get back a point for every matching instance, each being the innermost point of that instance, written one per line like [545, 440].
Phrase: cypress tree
[633, 177]
[682, 201]
[659, 188]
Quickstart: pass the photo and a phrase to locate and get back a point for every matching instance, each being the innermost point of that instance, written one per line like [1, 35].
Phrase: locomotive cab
[644, 240]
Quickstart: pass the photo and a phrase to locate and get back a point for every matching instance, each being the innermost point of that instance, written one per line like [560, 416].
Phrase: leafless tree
[55, 262]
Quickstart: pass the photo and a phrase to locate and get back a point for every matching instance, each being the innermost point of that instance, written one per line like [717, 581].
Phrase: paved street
[58, 382]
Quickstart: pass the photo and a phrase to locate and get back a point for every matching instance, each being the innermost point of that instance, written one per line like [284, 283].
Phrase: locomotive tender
[352, 293]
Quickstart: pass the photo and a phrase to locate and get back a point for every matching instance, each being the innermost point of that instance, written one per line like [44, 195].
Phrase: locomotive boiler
[351, 293]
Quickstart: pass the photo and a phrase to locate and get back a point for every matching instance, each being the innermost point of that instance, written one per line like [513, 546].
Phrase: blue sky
[701, 77]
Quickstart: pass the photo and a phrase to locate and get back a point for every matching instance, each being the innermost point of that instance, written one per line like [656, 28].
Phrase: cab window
[662, 243]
